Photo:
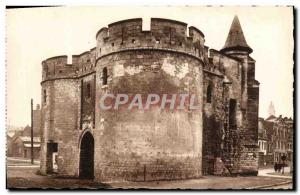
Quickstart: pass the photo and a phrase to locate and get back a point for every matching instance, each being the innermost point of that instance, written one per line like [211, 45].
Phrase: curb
[270, 185]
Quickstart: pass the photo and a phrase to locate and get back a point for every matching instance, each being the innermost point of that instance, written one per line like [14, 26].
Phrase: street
[25, 176]
[283, 186]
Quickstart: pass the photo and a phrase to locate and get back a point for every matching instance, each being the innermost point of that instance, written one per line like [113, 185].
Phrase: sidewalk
[269, 172]
[18, 159]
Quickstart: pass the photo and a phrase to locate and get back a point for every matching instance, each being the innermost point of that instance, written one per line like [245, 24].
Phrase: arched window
[88, 88]
[104, 76]
[208, 93]
[45, 95]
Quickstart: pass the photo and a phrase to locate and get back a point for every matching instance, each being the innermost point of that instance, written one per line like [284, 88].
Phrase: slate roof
[236, 39]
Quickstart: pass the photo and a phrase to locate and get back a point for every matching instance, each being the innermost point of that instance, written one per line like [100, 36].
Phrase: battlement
[217, 62]
[58, 66]
[163, 34]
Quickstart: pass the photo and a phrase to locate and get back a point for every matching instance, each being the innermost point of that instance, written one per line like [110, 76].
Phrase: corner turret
[236, 42]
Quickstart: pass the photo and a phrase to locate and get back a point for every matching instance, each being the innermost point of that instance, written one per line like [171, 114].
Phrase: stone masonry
[85, 141]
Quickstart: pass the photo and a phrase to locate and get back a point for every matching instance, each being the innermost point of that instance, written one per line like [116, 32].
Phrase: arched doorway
[86, 167]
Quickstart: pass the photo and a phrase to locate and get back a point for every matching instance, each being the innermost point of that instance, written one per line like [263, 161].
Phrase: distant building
[20, 146]
[262, 142]
[19, 142]
[275, 139]
[282, 138]
[36, 124]
[9, 137]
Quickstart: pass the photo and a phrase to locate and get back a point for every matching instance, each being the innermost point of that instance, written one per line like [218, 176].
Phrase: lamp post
[31, 132]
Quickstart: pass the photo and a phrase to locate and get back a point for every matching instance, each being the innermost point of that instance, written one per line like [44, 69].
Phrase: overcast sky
[38, 33]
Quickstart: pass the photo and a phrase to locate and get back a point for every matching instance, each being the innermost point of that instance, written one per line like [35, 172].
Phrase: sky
[35, 34]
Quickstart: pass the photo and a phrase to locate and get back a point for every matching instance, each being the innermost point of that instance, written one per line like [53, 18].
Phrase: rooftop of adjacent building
[28, 139]
[273, 118]
[266, 126]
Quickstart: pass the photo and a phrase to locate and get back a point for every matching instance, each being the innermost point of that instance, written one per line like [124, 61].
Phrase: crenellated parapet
[216, 62]
[58, 67]
[163, 34]
[85, 62]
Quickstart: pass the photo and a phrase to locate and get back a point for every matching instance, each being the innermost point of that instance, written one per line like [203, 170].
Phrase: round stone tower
[154, 143]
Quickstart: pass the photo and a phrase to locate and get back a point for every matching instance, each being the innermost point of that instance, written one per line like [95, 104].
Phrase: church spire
[235, 40]
[271, 110]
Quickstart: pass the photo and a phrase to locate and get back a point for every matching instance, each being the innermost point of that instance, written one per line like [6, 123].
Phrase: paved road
[25, 176]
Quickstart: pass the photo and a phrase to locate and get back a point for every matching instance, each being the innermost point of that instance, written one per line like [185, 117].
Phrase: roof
[275, 119]
[235, 38]
[271, 118]
[10, 134]
[28, 139]
[27, 128]
[34, 145]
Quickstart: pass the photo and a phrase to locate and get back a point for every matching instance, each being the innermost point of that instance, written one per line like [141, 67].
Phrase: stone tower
[236, 46]
[82, 140]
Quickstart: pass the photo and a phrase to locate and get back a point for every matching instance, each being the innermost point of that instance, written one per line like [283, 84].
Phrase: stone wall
[60, 124]
[213, 120]
[88, 95]
[164, 34]
[155, 144]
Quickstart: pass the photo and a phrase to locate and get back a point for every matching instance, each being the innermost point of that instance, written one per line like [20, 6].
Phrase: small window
[133, 41]
[46, 71]
[104, 76]
[88, 90]
[180, 44]
[157, 41]
[112, 44]
[232, 113]
[208, 93]
[45, 96]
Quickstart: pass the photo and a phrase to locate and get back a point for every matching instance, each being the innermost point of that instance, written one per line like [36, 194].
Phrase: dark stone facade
[154, 144]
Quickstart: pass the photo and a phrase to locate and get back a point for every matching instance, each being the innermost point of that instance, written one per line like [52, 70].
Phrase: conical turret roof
[235, 40]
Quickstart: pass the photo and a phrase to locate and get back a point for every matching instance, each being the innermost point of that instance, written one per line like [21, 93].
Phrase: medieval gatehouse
[81, 140]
